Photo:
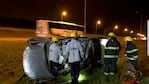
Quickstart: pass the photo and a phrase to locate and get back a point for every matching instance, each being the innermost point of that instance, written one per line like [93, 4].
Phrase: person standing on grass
[112, 50]
[54, 54]
[131, 52]
[74, 53]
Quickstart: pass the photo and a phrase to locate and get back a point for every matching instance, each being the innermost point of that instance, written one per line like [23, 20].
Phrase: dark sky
[121, 12]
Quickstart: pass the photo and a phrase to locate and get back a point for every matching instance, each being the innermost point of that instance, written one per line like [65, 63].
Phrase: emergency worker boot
[107, 78]
[73, 81]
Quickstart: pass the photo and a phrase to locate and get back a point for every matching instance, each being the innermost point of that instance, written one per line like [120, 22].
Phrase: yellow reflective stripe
[112, 48]
[111, 73]
[105, 73]
[135, 56]
[110, 56]
[125, 54]
[131, 51]
[131, 58]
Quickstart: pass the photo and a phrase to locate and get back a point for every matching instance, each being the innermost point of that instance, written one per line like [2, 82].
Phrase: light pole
[85, 17]
[97, 23]
[115, 28]
[64, 13]
[126, 29]
[141, 18]
[141, 21]
[131, 32]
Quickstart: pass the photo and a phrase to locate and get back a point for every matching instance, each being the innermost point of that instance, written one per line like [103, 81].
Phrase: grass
[10, 61]
[16, 32]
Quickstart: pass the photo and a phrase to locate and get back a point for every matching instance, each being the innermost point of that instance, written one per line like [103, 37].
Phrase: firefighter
[54, 54]
[131, 52]
[74, 53]
[112, 49]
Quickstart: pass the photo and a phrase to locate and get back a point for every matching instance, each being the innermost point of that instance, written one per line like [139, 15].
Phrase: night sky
[110, 12]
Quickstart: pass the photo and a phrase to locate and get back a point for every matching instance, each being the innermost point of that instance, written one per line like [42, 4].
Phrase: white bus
[48, 28]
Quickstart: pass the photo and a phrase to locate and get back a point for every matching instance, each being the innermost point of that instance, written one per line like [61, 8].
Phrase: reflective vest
[131, 51]
[112, 48]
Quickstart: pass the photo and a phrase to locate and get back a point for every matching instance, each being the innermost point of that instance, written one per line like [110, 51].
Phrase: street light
[97, 23]
[116, 27]
[85, 17]
[141, 17]
[131, 31]
[64, 13]
[125, 32]
[125, 29]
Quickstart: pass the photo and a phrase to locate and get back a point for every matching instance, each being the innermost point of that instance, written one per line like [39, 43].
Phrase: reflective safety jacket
[112, 48]
[131, 51]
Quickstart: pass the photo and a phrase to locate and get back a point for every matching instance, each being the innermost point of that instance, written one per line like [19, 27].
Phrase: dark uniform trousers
[75, 70]
[110, 65]
[53, 68]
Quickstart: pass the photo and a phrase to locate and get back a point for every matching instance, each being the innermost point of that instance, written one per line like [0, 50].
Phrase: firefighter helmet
[111, 34]
[73, 34]
[128, 38]
[55, 38]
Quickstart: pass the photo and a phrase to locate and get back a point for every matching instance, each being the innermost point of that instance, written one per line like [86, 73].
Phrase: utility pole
[85, 17]
[140, 12]
[141, 21]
